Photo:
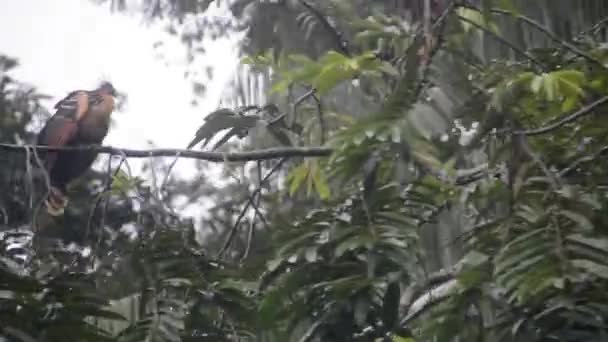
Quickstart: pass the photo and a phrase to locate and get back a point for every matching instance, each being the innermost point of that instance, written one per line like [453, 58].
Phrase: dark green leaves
[220, 120]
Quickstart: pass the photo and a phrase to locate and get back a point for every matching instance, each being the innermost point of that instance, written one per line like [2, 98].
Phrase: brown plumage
[81, 118]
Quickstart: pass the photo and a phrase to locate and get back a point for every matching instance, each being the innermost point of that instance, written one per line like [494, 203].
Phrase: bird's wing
[76, 103]
[57, 132]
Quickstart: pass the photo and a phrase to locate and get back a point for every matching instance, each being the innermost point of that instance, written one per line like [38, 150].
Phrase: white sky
[64, 45]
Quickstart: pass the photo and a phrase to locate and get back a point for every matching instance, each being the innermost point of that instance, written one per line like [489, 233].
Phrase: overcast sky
[72, 44]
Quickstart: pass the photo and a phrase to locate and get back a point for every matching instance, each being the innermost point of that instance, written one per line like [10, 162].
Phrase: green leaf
[321, 186]
[593, 242]
[581, 220]
[508, 5]
[270, 308]
[297, 176]
[478, 18]
[536, 84]
[352, 243]
[550, 87]
[220, 120]
[594, 268]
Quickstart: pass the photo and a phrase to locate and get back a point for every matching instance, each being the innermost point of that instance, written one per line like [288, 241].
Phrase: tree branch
[580, 113]
[593, 28]
[341, 44]
[218, 157]
[545, 30]
[232, 233]
[582, 160]
[463, 176]
[505, 42]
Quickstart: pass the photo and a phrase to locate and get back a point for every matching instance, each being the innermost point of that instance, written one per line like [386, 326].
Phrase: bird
[80, 118]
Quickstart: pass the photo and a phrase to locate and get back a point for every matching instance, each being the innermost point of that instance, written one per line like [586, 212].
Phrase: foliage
[465, 198]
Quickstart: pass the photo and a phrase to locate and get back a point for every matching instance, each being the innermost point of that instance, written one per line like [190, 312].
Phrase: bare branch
[271, 153]
[235, 227]
[582, 160]
[594, 28]
[505, 42]
[295, 106]
[554, 179]
[550, 34]
[257, 211]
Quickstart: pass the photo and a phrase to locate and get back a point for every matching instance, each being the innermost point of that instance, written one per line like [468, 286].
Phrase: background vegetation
[464, 199]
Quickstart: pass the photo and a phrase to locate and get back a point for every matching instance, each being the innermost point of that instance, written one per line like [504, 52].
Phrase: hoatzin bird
[81, 118]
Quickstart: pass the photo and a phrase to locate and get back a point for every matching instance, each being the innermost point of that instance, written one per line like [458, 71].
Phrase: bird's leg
[56, 202]
[59, 196]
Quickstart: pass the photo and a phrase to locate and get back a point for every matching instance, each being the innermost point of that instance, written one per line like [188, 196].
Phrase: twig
[553, 178]
[271, 153]
[103, 194]
[47, 182]
[168, 174]
[296, 104]
[582, 160]
[232, 233]
[256, 207]
[580, 113]
[505, 42]
[549, 34]
[341, 44]
[321, 118]
[426, 62]
[593, 28]
[30, 178]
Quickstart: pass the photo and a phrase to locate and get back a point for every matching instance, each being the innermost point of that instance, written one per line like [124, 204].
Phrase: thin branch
[271, 153]
[256, 207]
[296, 104]
[430, 50]
[341, 44]
[47, 182]
[102, 196]
[321, 118]
[582, 160]
[167, 175]
[232, 233]
[553, 178]
[549, 34]
[30, 178]
[505, 42]
[594, 28]
[576, 115]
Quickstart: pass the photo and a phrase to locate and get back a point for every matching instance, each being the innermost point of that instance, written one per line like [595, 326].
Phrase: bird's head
[107, 88]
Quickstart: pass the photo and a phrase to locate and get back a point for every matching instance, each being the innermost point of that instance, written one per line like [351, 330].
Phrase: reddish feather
[58, 137]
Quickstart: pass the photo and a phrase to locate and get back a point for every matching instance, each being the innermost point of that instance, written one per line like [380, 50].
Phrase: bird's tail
[56, 202]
